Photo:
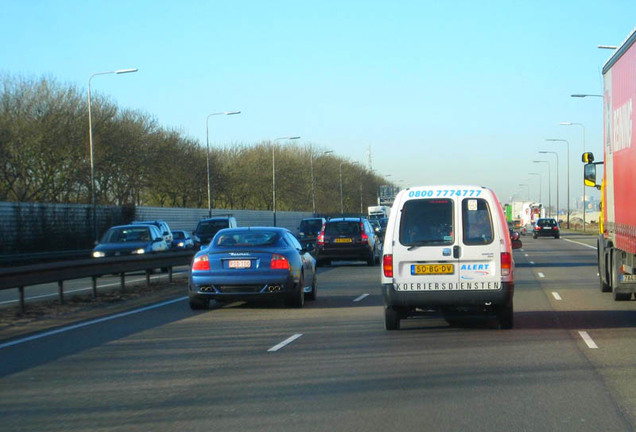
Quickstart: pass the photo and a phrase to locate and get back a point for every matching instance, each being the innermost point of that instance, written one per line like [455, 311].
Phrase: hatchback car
[182, 240]
[163, 227]
[130, 240]
[207, 228]
[347, 239]
[546, 227]
[252, 263]
[309, 229]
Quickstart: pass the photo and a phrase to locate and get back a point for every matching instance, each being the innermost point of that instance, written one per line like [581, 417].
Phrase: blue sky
[441, 92]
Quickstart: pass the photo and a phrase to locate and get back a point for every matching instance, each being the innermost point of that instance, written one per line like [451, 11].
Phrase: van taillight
[387, 265]
[506, 264]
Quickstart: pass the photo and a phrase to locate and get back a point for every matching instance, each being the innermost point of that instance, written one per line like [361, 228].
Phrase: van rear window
[427, 222]
[476, 221]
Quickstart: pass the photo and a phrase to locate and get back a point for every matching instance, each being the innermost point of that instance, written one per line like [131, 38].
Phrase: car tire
[296, 299]
[557, 236]
[391, 318]
[371, 259]
[199, 304]
[534, 236]
[505, 316]
[311, 296]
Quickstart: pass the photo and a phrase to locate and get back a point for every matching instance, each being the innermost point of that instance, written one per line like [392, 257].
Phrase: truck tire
[616, 264]
[602, 271]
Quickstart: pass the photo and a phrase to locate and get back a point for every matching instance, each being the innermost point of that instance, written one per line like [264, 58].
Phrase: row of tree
[44, 149]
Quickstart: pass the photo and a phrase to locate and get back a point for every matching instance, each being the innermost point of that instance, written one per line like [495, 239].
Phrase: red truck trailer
[617, 237]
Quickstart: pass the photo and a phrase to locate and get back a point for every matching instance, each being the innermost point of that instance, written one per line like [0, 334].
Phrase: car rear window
[247, 238]
[178, 235]
[343, 228]
[546, 222]
[311, 226]
[212, 227]
[427, 222]
[476, 221]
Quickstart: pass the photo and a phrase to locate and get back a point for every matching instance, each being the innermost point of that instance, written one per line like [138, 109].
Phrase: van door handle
[457, 251]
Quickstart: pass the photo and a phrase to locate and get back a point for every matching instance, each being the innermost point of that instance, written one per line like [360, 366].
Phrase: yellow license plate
[426, 269]
[343, 240]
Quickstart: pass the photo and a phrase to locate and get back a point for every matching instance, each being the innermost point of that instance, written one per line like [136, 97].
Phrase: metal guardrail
[23, 276]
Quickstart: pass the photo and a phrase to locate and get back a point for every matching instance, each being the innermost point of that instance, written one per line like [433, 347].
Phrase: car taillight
[320, 240]
[506, 264]
[201, 263]
[279, 262]
[387, 265]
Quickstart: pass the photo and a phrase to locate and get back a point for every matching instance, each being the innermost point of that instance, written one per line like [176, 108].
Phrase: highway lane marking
[582, 244]
[556, 295]
[588, 340]
[362, 297]
[285, 342]
[84, 289]
[532, 262]
[89, 323]
[541, 275]
[525, 255]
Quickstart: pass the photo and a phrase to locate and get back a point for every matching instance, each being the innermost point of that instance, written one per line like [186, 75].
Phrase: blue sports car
[252, 263]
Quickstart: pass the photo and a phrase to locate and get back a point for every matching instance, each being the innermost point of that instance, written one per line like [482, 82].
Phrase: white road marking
[88, 323]
[541, 275]
[556, 295]
[525, 254]
[582, 244]
[588, 340]
[532, 262]
[285, 342]
[362, 297]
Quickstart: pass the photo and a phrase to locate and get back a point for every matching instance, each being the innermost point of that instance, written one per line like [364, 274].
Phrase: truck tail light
[201, 263]
[506, 263]
[279, 262]
[387, 265]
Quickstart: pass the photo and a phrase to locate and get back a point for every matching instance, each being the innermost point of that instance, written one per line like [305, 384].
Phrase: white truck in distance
[379, 212]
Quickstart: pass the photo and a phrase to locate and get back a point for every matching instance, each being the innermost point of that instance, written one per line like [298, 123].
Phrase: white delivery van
[447, 248]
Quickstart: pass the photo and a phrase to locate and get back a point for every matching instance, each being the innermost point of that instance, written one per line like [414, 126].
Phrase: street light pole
[549, 190]
[207, 142]
[583, 128]
[341, 196]
[528, 189]
[537, 174]
[90, 144]
[568, 172]
[274, 171]
[557, 180]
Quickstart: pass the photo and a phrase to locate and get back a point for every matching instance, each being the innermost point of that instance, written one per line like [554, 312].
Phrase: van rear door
[425, 243]
[481, 245]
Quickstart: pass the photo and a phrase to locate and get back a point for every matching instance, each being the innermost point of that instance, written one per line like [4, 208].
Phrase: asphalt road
[332, 366]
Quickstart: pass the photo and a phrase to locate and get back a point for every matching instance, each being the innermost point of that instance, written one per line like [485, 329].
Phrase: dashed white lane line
[362, 297]
[588, 340]
[582, 244]
[541, 275]
[88, 323]
[525, 255]
[556, 295]
[285, 342]
[532, 262]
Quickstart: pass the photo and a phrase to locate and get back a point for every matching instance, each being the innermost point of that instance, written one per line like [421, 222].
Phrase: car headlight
[139, 251]
[180, 244]
[98, 254]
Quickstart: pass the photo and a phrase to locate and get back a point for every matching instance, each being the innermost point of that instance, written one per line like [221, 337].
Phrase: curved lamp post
[207, 143]
[568, 172]
[549, 190]
[557, 179]
[90, 143]
[274, 171]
